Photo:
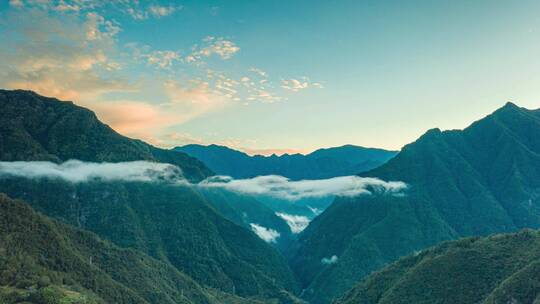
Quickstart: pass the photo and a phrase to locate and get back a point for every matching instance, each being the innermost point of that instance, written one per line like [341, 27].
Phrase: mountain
[495, 269]
[45, 261]
[171, 223]
[323, 163]
[477, 181]
[34, 127]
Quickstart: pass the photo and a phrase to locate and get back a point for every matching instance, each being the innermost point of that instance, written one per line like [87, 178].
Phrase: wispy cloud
[194, 98]
[16, 3]
[266, 234]
[147, 120]
[136, 118]
[218, 46]
[329, 261]
[296, 85]
[72, 50]
[297, 223]
[279, 186]
[77, 171]
[315, 211]
[138, 10]
[162, 59]
[162, 11]
[64, 58]
[156, 11]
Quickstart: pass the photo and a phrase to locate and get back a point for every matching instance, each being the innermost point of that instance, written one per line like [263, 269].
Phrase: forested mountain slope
[45, 261]
[496, 269]
[34, 127]
[481, 180]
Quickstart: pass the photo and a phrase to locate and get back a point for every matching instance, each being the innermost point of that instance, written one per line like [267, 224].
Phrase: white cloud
[71, 50]
[185, 101]
[315, 211]
[266, 234]
[61, 57]
[219, 46]
[156, 11]
[281, 187]
[16, 3]
[296, 85]
[329, 261]
[136, 118]
[297, 223]
[259, 72]
[162, 11]
[162, 59]
[76, 171]
[195, 97]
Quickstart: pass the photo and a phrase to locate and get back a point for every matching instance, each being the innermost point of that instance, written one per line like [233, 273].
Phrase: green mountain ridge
[501, 268]
[482, 180]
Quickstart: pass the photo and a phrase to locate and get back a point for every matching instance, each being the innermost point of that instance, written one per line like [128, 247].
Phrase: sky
[275, 76]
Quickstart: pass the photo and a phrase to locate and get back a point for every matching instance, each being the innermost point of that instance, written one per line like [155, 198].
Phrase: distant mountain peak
[510, 105]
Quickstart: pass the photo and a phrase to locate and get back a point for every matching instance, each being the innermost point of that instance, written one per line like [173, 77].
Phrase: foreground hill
[482, 180]
[44, 261]
[33, 127]
[496, 269]
[323, 163]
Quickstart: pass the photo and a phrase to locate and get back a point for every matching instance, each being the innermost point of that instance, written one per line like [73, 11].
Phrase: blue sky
[274, 76]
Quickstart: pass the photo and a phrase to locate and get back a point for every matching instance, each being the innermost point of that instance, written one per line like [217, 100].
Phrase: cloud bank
[282, 187]
[266, 234]
[297, 223]
[76, 171]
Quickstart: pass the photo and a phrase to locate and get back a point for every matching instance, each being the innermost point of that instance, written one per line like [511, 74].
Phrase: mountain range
[163, 239]
[323, 163]
[477, 181]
